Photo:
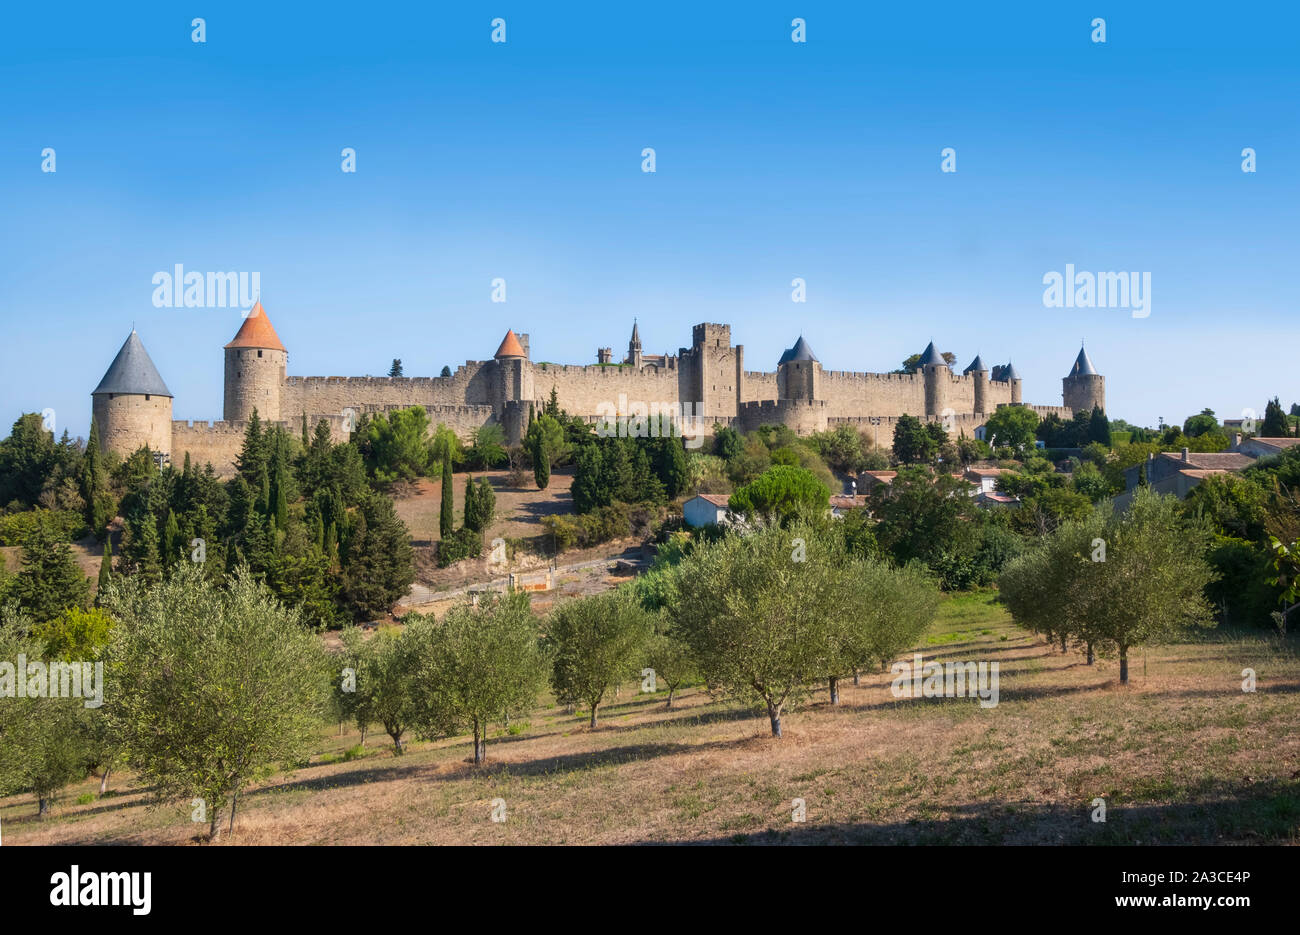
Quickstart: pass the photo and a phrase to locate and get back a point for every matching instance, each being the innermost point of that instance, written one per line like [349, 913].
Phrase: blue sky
[775, 160]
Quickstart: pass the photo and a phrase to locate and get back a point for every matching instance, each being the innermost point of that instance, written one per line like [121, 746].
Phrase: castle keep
[133, 406]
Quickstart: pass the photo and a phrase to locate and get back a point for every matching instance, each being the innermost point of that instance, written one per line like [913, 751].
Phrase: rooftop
[256, 331]
[132, 372]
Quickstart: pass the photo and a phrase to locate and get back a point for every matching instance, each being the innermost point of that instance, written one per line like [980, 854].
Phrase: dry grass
[1181, 755]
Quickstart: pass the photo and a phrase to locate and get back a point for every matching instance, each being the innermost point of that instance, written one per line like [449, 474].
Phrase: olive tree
[596, 643]
[763, 613]
[478, 665]
[218, 685]
[380, 689]
[43, 737]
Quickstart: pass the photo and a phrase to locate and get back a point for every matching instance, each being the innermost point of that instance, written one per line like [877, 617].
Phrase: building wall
[127, 421]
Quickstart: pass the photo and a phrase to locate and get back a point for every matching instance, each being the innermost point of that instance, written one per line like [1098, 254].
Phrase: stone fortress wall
[709, 376]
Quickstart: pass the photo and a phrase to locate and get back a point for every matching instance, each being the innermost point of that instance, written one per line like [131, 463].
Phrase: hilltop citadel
[133, 406]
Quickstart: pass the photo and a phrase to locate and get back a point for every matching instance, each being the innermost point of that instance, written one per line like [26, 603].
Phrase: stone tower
[980, 375]
[255, 369]
[132, 405]
[799, 373]
[717, 371]
[1084, 387]
[937, 375]
[1017, 384]
[634, 347]
[512, 386]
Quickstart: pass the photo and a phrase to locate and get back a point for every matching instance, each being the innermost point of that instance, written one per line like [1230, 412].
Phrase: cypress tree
[446, 517]
[105, 568]
[171, 540]
[471, 503]
[487, 504]
[541, 463]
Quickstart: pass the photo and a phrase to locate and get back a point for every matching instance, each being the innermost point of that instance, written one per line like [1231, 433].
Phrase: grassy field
[1180, 755]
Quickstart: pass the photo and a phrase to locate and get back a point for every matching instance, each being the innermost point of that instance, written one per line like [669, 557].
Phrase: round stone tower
[132, 405]
[980, 374]
[799, 373]
[1017, 384]
[255, 370]
[1084, 388]
[937, 375]
[513, 386]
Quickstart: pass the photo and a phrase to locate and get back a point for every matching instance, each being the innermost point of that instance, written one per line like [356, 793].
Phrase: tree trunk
[671, 690]
[103, 781]
[593, 716]
[42, 807]
[1123, 665]
[774, 715]
[1063, 647]
[234, 800]
[856, 680]
[214, 828]
[397, 742]
[480, 745]
[363, 736]
[1091, 657]
[835, 690]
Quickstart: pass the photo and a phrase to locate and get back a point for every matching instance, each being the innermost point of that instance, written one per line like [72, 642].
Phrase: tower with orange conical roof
[255, 370]
[513, 386]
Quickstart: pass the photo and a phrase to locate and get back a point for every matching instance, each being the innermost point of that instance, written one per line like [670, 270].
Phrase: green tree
[42, 746]
[380, 567]
[923, 515]
[1012, 427]
[1099, 428]
[76, 635]
[478, 666]
[762, 613]
[596, 642]
[385, 675]
[672, 661]
[396, 369]
[218, 686]
[1199, 424]
[50, 580]
[782, 491]
[397, 444]
[27, 457]
[446, 512]
[105, 569]
[912, 443]
[1275, 423]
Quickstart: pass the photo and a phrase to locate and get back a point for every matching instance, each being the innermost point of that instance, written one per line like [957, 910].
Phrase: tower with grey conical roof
[979, 375]
[937, 376]
[132, 405]
[799, 372]
[1083, 387]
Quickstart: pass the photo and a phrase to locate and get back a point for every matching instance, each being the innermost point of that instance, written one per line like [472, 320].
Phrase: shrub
[461, 544]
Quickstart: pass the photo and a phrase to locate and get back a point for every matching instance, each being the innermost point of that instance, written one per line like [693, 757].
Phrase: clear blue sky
[775, 160]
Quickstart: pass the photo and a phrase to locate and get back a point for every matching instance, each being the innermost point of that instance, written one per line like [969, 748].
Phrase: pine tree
[553, 404]
[251, 462]
[396, 369]
[50, 580]
[446, 516]
[1098, 428]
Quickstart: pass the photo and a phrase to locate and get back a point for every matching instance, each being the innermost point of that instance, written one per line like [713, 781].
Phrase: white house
[705, 509]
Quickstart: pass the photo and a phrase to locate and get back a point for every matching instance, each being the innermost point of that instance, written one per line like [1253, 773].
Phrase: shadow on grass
[1238, 813]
